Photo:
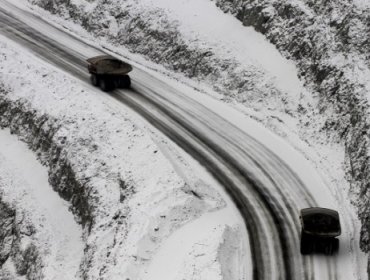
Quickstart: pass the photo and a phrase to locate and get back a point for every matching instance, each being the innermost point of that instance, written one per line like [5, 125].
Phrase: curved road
[265, 189]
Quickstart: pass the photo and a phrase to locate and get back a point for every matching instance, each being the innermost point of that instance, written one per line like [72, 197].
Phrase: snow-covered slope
[195, 38]
[123, 191]
[168, 33]
[46, 234]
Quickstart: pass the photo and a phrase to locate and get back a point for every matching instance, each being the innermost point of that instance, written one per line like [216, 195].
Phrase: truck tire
[306, 244]
[125, 81]
[335, 245]
[328, 250]
[94, 80]
[106, 84]
[332, 247]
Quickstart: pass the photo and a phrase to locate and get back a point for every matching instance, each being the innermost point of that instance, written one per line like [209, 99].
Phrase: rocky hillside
[16, 242]
[330, 43]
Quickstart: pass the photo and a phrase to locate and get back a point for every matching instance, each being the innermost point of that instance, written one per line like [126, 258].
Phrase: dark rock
[7, 219]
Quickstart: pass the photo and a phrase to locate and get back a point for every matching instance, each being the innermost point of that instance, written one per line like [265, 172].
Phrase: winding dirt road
[267, 191]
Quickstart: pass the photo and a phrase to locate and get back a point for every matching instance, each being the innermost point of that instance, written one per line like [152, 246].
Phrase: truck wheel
[306, 247]
[94, 80]
[106, 84]
[329, 249]
[332, 247]
[306, 244]
[125, 82]
[336, 245]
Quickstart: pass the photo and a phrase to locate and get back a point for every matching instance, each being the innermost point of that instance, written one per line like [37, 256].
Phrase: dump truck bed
[320, 222]
[108, 65]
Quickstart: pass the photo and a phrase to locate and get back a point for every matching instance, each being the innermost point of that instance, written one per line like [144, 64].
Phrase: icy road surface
[268, 181]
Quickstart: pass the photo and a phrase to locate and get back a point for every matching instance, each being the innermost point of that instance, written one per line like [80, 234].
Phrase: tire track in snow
[249, 147]
[221, 170]
[271, 208]
[262, 266]
[73, 62]
[296, 270]
[24, 34]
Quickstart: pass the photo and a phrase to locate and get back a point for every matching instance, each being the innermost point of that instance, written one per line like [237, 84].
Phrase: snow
[175, 249]
[24, 183]
[87, 120]
[362, 4]
[202, 23]
[318, 171]
[176, 258]
[318, 166]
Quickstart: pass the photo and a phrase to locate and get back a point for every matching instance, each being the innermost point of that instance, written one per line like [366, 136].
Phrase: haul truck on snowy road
[108, 72]
[320, 227]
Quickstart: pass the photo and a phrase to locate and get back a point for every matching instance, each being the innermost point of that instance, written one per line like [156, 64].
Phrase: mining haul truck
[320, 227]
[108, 72]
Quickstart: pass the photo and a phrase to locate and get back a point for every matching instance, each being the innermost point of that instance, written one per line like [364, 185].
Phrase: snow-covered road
[266, 178]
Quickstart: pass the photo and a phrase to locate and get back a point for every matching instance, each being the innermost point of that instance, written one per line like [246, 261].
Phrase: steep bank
[41, 238]
[19, 256]
[151, 31]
